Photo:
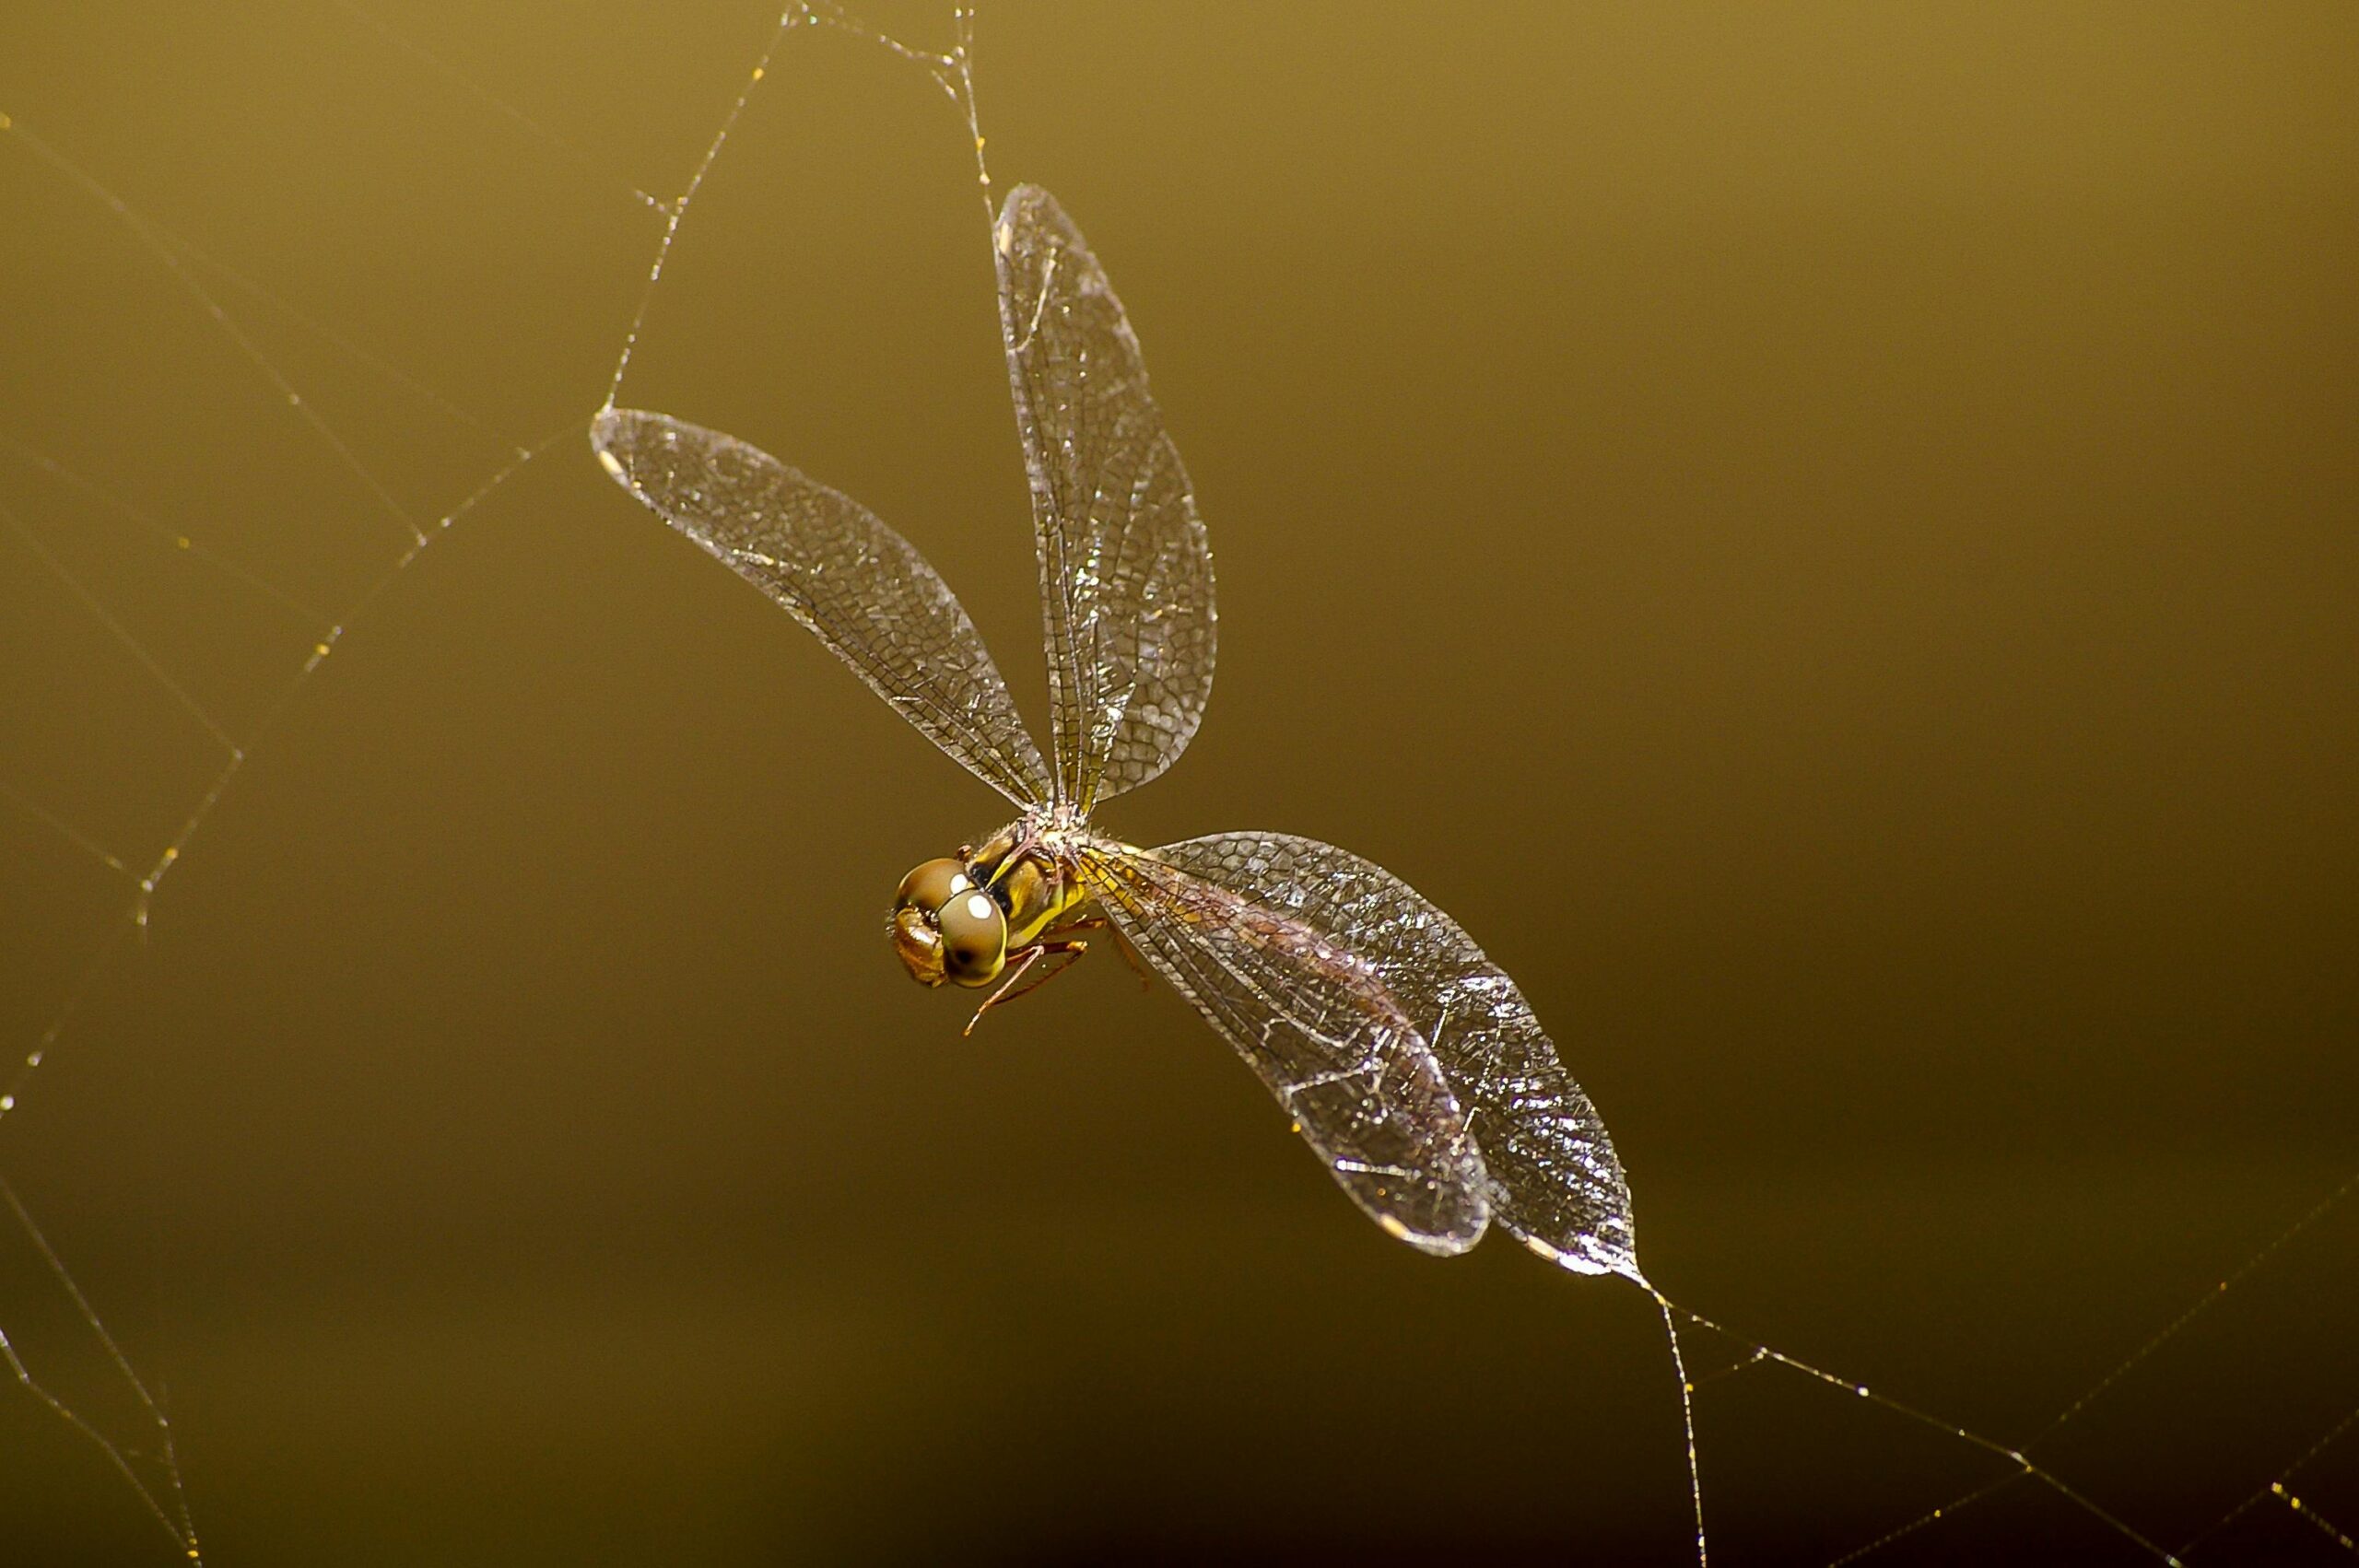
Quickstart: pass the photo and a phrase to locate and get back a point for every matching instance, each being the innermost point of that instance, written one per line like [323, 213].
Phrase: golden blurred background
[1825, 536]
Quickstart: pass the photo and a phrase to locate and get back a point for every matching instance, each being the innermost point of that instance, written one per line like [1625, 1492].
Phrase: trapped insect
[1407, 1060]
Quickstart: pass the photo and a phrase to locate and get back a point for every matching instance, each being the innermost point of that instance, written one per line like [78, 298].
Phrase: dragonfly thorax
[958, 919]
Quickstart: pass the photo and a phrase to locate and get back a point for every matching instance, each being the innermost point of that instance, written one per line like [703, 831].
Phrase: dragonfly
[1408, 1062]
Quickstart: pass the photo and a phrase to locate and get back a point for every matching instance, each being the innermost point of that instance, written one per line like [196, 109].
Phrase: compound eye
[931, 885]
[974, 937]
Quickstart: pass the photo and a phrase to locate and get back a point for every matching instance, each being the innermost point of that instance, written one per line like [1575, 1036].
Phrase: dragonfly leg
[1063, 950]
[1122, 946]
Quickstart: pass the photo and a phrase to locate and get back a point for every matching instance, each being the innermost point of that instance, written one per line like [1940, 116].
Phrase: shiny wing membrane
[1314, 1020]
[839, 571]
[1126, 577]
[1554, 1182]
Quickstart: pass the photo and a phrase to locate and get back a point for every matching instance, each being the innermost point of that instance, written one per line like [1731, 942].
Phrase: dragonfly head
[945, 927]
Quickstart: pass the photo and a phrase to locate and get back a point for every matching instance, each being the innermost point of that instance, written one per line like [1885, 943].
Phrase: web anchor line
[175, 1519]
[2279, 1490]
[178, 258]
[177, 541]
[165, 252]
[947, 71]
[676, 209]
[134, 918]
[2310, 1516]
[2025, 1466]
[485, 97]
[135, 921]
[2201, 1305]
[1949, 1510]
[115, 628]
[338, 341]
[66, 830]
[1687, 1420]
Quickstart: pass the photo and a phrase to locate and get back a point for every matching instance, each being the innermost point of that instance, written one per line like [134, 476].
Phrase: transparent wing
[1126, 576]
[1314, 1020]
[1556, 1183]
[839, 570]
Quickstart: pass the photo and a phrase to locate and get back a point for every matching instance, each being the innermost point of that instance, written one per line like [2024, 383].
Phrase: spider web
[178, 619]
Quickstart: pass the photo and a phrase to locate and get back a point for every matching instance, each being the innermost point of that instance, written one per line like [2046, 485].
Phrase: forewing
[1314, 1020]
[1126, 577]
[834, 567]
[1554, 1180]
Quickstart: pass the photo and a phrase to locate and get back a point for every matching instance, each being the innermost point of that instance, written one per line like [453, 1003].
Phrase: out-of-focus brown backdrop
[1826, 539]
